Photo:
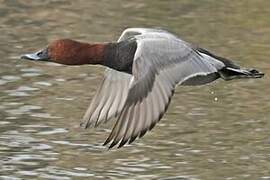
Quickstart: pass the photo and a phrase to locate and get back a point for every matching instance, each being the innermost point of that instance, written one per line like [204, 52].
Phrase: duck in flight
[143, 68]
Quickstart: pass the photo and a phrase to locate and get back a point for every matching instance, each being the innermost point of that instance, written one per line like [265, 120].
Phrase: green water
[218, 131]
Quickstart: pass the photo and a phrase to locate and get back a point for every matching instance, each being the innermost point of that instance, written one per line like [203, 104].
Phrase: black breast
[120, 55]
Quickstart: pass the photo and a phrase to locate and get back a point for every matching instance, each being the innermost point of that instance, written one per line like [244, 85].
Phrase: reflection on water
[219, 131]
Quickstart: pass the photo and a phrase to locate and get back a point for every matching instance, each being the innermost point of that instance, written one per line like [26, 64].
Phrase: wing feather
[109, 99]
[161, 62]
[139, 101]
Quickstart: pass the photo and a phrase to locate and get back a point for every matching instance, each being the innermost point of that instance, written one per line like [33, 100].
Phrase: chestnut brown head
[69, 52]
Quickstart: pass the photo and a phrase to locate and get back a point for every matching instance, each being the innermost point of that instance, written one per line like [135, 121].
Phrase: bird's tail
[231, 70]
[229, 73]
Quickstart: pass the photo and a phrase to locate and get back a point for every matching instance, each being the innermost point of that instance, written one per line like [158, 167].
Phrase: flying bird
[143, 69]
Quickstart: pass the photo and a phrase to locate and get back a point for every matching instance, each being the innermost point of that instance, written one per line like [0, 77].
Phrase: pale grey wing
[111, 95]
[109, 98]
[141, 115]
[131, 32]
[160, 64]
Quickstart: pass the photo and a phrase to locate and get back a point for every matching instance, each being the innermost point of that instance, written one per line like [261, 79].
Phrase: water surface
[218, 131]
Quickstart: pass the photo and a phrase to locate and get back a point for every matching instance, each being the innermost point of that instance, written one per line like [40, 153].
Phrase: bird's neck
[119, 56]
[91, 53]
[116, 55]
[78, 53]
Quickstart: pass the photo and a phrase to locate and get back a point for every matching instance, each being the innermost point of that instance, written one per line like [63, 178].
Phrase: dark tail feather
[231, 70]
[228, 73]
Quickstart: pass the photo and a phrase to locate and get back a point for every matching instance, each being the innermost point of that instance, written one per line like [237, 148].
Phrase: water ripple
[10, 78]
[53, 131]
[43, 83]
[25, 109]
[44, 115]
[56, 171]
[217, 131]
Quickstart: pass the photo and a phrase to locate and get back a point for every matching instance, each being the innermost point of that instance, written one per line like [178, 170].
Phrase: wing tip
[122, 143]
[106, 142]
[113, 144]
[133, 138]
[84, 125]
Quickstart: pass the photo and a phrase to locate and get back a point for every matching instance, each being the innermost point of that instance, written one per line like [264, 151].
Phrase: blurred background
[217, 131]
